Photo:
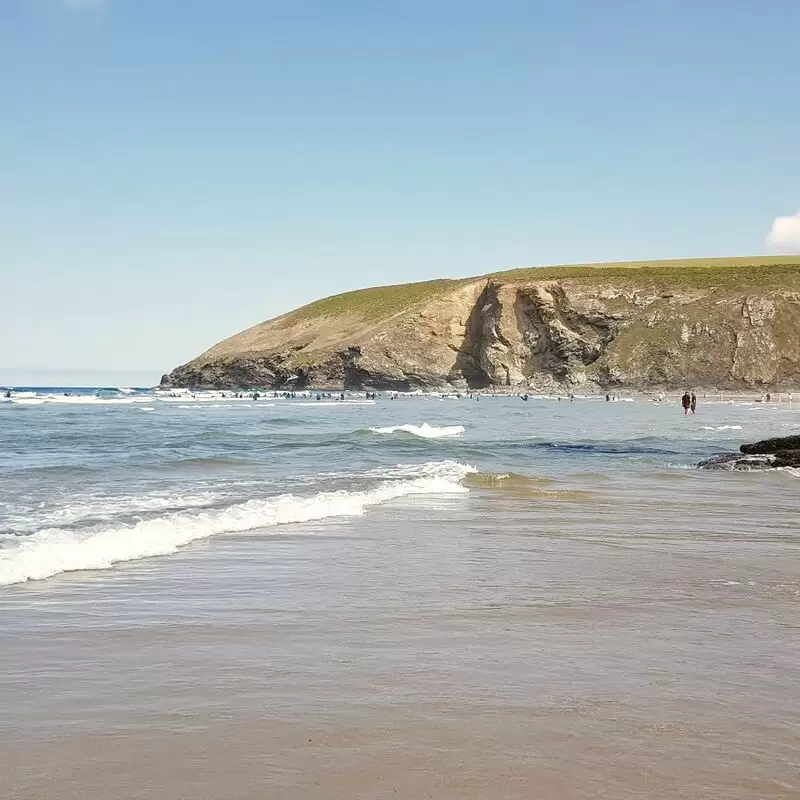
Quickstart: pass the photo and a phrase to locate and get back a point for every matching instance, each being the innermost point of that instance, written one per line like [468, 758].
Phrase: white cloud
[785, 234]
[84, 3]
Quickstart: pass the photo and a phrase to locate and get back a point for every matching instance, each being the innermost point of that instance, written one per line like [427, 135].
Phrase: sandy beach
[621, 626]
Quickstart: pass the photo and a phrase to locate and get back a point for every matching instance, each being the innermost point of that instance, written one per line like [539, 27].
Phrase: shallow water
[345, 613]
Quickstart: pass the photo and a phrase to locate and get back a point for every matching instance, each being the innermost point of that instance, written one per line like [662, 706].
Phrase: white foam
[51, 551]
[81, 399]
[425, 430]
[166, 399]
[721, 427]
[87, 506]
[449, 470]
[225, 405]
[331, 403]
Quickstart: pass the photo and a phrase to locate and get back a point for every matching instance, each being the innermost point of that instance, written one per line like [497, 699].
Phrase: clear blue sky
[174, 171]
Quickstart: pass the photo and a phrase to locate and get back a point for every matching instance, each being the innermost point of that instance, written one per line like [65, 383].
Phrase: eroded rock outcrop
[776, 453]
[643, 327]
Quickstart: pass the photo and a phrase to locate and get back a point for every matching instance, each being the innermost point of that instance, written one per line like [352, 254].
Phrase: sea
[205, 595]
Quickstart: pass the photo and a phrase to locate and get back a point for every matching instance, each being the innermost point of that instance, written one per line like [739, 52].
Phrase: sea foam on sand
[53, 550]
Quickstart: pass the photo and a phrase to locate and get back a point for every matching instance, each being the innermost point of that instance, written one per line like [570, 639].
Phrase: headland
[729, 324]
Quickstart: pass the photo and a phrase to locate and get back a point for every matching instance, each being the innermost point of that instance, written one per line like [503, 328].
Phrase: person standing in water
[686, 402]
[693, 402]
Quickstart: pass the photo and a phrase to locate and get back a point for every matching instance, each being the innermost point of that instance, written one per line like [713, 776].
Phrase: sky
[172, 172]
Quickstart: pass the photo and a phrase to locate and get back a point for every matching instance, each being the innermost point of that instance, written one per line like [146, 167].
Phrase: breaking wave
[720, 427]
[425, 430]
[51, 551]
[26, 519]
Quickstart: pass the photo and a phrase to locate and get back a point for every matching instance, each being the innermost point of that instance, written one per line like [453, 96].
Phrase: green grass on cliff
[746, 272]
[377, 302]
[724, 273]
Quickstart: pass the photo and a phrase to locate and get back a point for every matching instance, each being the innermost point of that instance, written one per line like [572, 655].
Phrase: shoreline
[37, 394]
[390, 679]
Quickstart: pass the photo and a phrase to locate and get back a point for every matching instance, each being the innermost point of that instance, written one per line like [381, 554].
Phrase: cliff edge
[724, 323]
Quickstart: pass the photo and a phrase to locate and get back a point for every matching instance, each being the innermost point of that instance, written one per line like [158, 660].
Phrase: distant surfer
[686, 402]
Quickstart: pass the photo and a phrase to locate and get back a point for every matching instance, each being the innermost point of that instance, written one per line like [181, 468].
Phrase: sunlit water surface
[290, 598]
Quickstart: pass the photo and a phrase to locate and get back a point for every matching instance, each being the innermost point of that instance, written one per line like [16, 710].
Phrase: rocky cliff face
[728, 325]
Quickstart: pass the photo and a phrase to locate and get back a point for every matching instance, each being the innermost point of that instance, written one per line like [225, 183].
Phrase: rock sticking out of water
[766, 454]
[731, 461]
[772, 445]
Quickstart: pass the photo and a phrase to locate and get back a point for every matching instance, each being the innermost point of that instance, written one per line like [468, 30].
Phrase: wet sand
[639, 642]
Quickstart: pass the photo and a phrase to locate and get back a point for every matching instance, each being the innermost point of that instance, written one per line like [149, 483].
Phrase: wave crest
[720, 427]
[51, 551]
[424, 431]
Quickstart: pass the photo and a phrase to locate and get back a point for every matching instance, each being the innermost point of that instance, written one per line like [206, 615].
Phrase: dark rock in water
[787, 458]
[736, 461]
[767, 454]
[772, 445]
[724, 461]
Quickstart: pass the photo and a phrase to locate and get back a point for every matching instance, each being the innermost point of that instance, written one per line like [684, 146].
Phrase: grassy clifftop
[372, 303]
[747, 272]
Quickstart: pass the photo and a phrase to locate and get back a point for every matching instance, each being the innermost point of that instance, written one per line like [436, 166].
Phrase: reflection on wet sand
[460, 647]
